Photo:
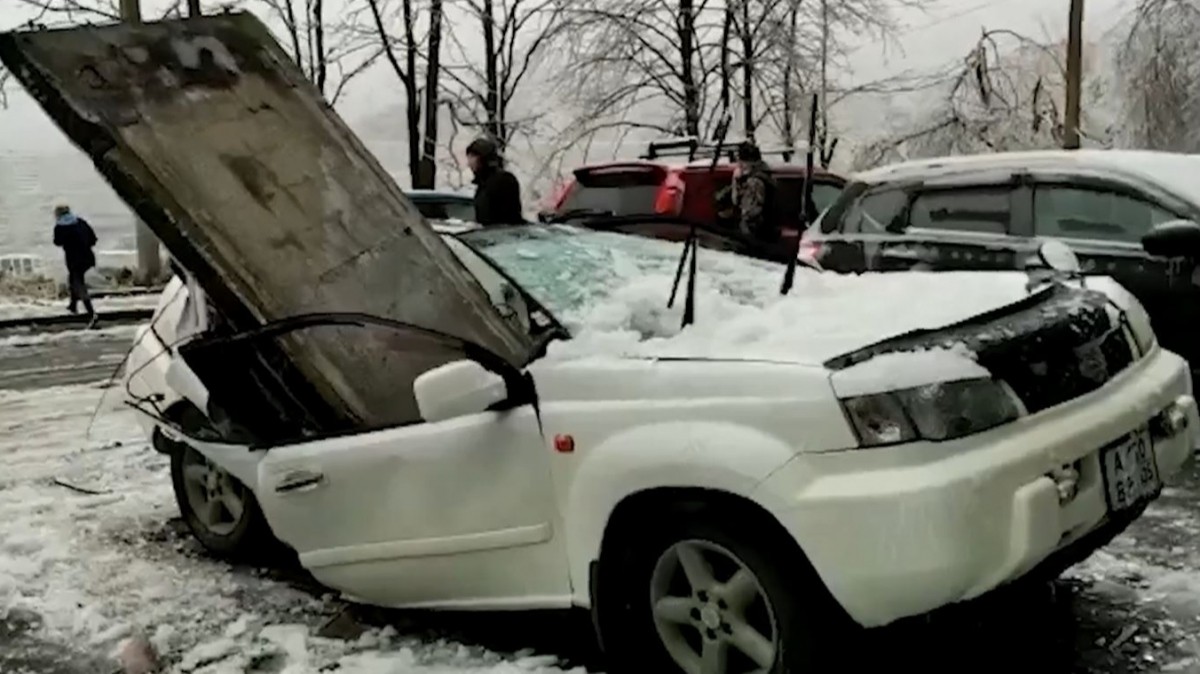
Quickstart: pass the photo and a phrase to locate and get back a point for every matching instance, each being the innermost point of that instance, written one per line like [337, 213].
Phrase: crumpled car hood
[210, 133]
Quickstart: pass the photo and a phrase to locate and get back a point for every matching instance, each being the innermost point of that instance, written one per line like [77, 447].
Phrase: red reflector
[564, 444]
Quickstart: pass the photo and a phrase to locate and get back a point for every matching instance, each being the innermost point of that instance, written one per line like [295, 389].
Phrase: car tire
[221, 512]
[762, 584]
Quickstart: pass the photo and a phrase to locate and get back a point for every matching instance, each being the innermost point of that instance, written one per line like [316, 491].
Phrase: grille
[1065, 360]
[1050, 348]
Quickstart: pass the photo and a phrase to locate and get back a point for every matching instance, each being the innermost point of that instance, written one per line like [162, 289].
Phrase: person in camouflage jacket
[754, 194]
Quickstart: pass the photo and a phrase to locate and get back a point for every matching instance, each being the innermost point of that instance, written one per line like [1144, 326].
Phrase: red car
[655, 186]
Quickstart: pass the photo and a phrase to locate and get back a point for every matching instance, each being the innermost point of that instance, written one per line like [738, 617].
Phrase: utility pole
[193, 8]
[1074, 75]
[149, 262]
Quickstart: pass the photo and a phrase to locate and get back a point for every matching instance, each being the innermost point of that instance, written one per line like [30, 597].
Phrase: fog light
[1066, 481]
[1170, 422]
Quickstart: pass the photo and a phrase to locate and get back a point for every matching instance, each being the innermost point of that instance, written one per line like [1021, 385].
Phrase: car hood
[210, 133]
[826, 320]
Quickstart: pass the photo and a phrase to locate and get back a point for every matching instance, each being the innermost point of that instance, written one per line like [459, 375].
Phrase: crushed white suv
[724, 495]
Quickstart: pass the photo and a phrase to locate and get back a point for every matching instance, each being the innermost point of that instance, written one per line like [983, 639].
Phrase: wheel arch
[715, 458]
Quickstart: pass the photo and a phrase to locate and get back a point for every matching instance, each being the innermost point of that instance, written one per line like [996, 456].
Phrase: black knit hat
[748, 151]
[484, 148]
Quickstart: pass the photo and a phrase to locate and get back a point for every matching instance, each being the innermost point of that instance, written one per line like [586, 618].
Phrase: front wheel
[220, 511]
[707, 596]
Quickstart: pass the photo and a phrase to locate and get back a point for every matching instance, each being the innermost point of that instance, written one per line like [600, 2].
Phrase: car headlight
[933, 412]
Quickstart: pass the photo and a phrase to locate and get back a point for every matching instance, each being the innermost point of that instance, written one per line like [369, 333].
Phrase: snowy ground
[31, 307]
[80, 572]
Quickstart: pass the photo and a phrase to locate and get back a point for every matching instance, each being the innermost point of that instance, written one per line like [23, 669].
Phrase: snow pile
[104, 564]
[22, 307]
[40, 338]
[908, 369]
[612, 290]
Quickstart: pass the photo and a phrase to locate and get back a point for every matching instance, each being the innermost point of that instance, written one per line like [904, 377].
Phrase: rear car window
[1083, 213]
[978, 209]
[791, 192]
[621, 192]
[873, 213]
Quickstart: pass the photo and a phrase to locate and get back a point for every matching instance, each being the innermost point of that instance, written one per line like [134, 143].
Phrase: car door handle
[299, 480]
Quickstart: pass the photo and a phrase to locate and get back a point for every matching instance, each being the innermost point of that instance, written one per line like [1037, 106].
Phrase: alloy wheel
[711, 611]
[214, 496]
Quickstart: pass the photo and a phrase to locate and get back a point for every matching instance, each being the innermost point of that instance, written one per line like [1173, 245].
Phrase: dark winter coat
[77, 238]
[497, 197]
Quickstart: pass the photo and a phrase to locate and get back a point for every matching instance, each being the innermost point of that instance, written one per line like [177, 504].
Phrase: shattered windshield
[570, 270]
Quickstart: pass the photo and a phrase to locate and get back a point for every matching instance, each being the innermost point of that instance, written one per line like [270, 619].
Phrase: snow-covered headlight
[933, 412]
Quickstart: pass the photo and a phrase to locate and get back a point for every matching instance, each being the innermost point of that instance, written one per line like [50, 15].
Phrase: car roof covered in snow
[1172, 171]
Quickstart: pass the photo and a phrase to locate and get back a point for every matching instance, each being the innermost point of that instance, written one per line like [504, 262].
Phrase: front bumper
[900, 531]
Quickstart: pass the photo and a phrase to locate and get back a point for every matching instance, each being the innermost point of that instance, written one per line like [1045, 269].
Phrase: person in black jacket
[497, 192]
[77, 238]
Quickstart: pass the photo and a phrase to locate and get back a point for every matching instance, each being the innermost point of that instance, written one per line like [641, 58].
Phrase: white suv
[725, 496]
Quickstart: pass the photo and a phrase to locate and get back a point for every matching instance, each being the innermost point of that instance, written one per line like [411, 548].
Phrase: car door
[1103, 220]
[457, 513]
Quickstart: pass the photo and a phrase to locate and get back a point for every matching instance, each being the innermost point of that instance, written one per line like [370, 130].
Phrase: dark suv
[990, 211]
[659, 185]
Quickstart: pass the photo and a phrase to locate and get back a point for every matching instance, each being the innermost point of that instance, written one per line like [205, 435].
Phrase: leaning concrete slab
[215, 139]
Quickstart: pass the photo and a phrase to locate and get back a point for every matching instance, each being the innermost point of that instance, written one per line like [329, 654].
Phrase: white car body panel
[899, 531]
[483, 511]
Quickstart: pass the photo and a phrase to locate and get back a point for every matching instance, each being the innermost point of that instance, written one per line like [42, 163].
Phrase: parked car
[991, 211]
[712, 498]
[658, 185]
[442, 205]
[427, 421]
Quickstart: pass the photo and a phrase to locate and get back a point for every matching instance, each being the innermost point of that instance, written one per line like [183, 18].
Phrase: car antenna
[689, 244]
[789, 276]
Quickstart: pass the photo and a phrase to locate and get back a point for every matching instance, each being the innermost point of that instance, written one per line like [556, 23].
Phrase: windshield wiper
[689, 245]
[789, 276]
[574, 213]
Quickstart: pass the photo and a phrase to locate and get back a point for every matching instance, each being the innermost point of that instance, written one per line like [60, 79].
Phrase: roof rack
[694, 149]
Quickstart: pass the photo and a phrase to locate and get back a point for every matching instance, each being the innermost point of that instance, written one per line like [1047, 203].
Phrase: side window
[985, 210]
[872, 213]
[1084, 213]
[824, 194]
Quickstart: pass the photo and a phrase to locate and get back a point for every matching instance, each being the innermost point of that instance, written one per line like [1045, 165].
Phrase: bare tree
[419, 91]
[330, 51]
[1005, 95]
[1158, 76]
[692, 61]
[481, 88]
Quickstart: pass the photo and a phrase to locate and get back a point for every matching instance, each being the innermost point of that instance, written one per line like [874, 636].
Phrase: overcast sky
[930, 39]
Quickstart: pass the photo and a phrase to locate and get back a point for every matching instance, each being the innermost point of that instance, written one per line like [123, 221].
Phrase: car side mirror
[1058, 256]
[458, 388]
[1177, 238]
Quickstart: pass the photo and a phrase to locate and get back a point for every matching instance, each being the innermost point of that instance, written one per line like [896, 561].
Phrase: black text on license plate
[1130, 472]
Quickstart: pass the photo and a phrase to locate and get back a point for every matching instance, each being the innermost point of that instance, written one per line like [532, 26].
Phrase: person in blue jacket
[77, 239]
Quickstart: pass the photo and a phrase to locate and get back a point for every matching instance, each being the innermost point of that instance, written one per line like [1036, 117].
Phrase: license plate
[1130, 472]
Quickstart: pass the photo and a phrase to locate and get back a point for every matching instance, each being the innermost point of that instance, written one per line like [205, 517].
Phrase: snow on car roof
[1173, 171]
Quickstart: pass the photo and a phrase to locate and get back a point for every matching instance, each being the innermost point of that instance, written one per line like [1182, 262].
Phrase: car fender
[237, 460]
[717, 456]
